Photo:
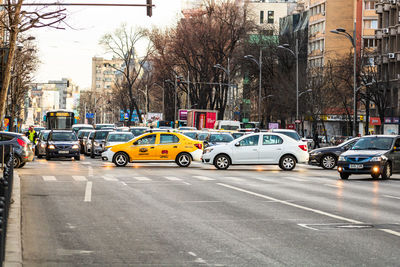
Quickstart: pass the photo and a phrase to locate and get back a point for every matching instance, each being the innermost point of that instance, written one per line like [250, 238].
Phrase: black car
[23, 148]
[375, 155]
[327, 157]
[62, 143]
[98, 142]
[42, 143]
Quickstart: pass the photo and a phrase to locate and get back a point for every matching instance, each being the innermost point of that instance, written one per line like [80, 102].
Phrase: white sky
[68, 53]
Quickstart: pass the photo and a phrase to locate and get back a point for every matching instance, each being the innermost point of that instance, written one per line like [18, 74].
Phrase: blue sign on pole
[89, 115]
[125, 116]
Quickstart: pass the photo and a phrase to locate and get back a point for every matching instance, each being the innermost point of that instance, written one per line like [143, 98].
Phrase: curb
[13, 254]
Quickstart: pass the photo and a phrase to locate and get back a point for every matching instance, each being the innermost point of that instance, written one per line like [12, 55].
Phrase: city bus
[60, 120]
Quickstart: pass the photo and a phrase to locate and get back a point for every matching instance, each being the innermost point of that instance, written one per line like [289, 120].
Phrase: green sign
[245, 120]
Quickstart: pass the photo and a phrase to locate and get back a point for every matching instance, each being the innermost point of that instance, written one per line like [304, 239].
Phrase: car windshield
[192, 135]
[119, 137]
[348, 143]
[137, 132]
[222, 138]
[63, 136]
[202, 136]
[237, 135]
[101, 126]
[229, 127]
[100, 135]
[45, 135]
[373, 143]
[293, 135]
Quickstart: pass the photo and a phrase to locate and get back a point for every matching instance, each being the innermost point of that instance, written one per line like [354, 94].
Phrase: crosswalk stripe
[234, 179]
[295, 179]
[172, 178]
[204, 178]
[86, 163]
[109, 178]
[142, 178]
[49, 178]
[79, 178]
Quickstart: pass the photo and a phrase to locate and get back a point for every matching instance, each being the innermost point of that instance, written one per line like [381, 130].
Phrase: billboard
[125, 116]
[182, 115]
[154, 116]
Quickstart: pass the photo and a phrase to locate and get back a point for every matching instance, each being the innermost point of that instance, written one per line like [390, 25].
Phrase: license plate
[356, 166]
[63, 152]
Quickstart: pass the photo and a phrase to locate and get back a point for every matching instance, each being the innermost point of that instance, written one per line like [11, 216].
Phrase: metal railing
[6, 182]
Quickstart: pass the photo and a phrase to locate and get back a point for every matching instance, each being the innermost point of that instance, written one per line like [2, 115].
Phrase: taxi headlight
[52, 147]
[341, 158]
[379, 158]
[75, 147]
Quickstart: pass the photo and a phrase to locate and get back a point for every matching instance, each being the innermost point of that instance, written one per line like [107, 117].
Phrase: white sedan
[258, 148]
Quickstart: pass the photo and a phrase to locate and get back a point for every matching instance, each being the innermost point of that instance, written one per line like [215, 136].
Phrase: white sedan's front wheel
[287, 163]
[222, 162]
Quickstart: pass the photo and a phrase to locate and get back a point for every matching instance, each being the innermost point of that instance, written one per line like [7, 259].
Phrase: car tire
[121, 159]
[48, 157]
[222, 162]
[287, 163]
[22, 165]
[183, 160]
[375, 175]
[92, 155]
[328, 162]
[17, 161]
[344, 176]
[387, 171]
[77, 157]
[39, 156]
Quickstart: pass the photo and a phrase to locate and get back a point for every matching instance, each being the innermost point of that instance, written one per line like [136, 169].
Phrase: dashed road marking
[204, 178]
[172, 178]
[86, 163]
[79, 178]
[234, 179]
[142, 178]
[389, 196]
[110, 178]
[295, 179]
[90, 171]
[49, 178]
[88, 192]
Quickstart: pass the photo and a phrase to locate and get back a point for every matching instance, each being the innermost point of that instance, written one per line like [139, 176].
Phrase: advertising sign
[125, 116]
[374, 121]
[154, 116]
[182, 115]
[273, 125]
[291, 126]
[210, 120]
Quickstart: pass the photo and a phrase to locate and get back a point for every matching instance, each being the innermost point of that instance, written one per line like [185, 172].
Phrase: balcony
[398, 56]
[379, 8]
[386, 7]
[385, 59]
[379, 34]
[393, 30]
[378, 60]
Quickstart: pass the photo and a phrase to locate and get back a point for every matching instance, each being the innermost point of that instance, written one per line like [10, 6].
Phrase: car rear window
[119, 137]
[293, 135]
[101, 135]
[63, 136]
[202, 136]
[191, 135]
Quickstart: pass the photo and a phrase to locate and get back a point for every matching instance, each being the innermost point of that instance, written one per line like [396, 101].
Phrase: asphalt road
[90, 213]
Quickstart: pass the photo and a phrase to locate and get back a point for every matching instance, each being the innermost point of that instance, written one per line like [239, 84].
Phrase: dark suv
[377, 155]
[62, 143]
[98, 141]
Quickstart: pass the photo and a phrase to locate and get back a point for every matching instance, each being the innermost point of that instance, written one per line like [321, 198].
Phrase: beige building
[104, 72]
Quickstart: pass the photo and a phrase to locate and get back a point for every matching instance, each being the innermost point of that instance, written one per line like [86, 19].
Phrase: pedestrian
[316, 140]
[32, 135]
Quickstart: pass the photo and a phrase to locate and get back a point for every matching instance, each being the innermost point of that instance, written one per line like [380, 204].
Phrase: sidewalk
[13, 256]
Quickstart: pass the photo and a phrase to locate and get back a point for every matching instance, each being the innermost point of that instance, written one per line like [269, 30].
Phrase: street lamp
[353, 40]
[163, 95]
[259, 64]
[296, 55]
[228, 73]
[175, 95]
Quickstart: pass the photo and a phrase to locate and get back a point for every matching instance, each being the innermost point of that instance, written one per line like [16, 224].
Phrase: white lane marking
[304, 208]
[333, 185]
[79, 178]
[124, 183]
[142, 178]
[389, 196]
[49, 178]
[173, 178]
[90, 171]
[192, 254]
[88, 192]
[203, 178]
[86, 163]
[235, 179]
[110, 178]
[295, 179]
[306, 226]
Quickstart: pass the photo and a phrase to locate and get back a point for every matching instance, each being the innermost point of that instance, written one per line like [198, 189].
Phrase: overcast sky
[68, 53]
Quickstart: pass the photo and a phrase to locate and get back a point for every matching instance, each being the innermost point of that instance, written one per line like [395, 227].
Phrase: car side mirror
[237, 144]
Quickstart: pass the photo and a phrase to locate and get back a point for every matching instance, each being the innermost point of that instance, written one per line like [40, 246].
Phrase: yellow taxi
[155, 146]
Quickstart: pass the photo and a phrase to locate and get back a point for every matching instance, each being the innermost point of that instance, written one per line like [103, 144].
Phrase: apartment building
[104, 72]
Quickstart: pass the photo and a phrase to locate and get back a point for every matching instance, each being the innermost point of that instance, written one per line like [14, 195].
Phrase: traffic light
[149, 8]
[67, 83]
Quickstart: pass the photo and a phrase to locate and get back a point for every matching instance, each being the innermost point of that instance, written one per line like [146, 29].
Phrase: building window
[271, 17]
[371, 24]
[369, 5]
[369, 43]
[261, 17]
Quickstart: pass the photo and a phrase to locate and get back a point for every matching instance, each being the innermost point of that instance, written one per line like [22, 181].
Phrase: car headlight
[208, 150]
[43, 145]
[96, 144]
[52, 147]
[75, 147]
[341, 158]
[379, 158]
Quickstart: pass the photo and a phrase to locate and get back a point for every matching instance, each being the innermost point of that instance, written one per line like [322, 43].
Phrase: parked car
[377, 155]
[116, 138]
[62, 143]
[100, 126]
[98, 142]
[213, 139]
[122, 129]
[77, 127]
[23, 148]
[327, 157]
[82, 135]
[136, 131]
[164, 146]
[187, 128]
[190, 133]
[38, 129]
[87, 143]
[42, 144]
[258, 148]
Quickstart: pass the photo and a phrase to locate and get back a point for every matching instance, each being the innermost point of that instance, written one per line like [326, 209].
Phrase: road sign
[89, 115]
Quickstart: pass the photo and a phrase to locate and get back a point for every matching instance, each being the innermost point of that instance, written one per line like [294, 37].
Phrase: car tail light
[21, 142]
[199, 146]
[303, 147]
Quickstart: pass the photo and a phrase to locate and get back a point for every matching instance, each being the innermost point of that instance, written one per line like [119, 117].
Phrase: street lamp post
[352, 39]
[228, 73]
[259, 64]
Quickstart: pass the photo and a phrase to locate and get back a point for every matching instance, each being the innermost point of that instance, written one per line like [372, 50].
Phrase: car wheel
[39, 156]
[17, 161]
[22, 165]
[121, 159]
[92, 154]
[183, 160]
[387, 171]
[287, 163]
[344, 176]
[77, 157]
[328, 162]
[222, 162]
[375, 175]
